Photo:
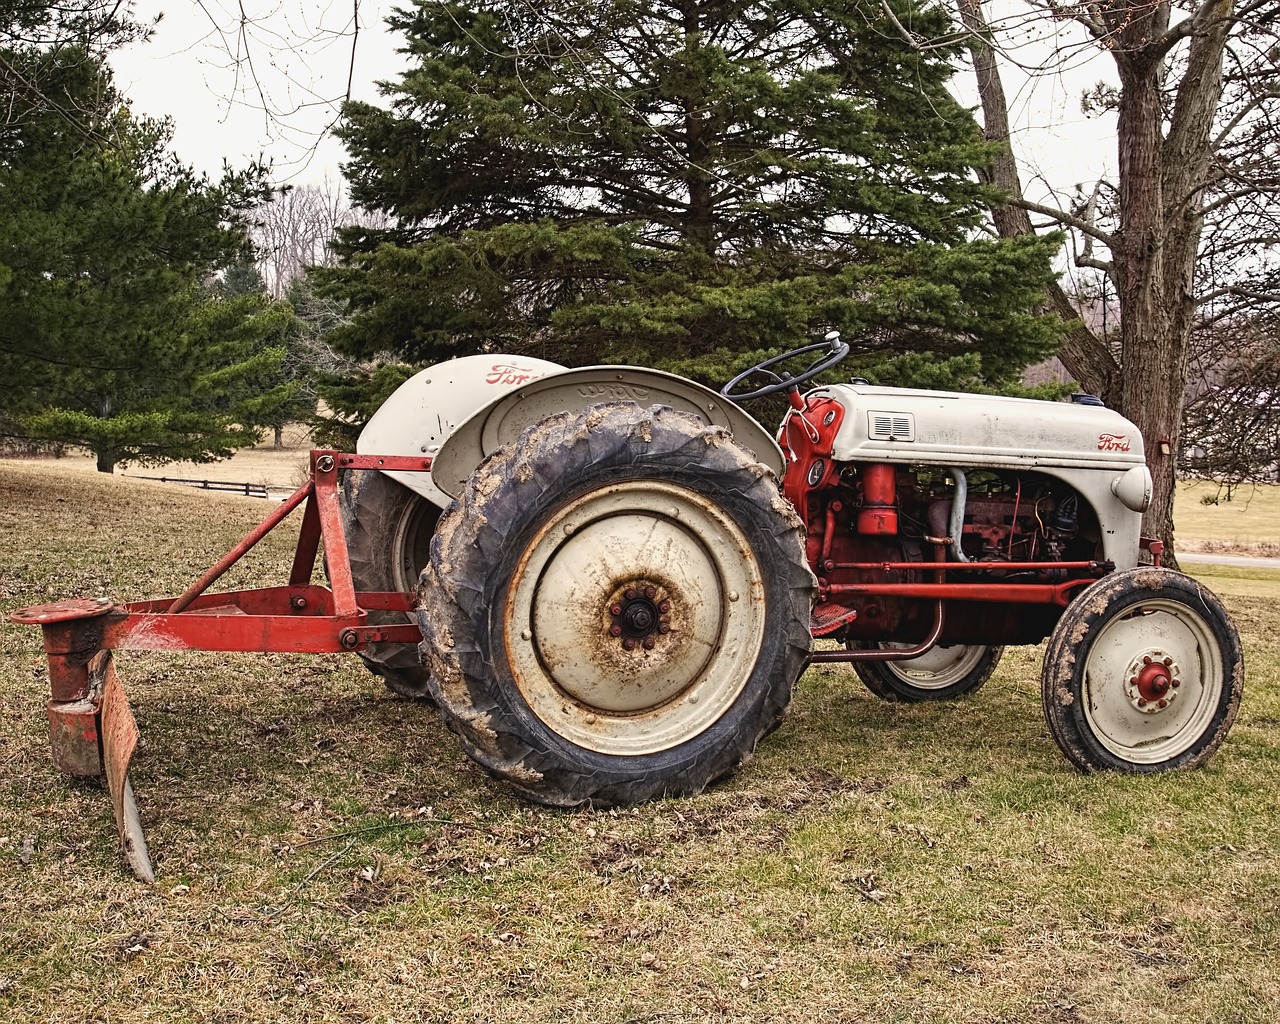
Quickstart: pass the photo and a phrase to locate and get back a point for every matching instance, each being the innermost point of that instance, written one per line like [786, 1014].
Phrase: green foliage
[107, 337]
[689, 188]
[352, 397]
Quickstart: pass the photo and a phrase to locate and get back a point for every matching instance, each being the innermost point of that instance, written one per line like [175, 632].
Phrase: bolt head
[1133, 680]
[1162, 704]
[615, 609]
[615, 630]
[648, 643]
[1142, 702]
[1168, 662]
[631, 594]
[650, 591]
[1175, 683]
[628, 644]
[1146, 659]
[664, 627]
[664, 606]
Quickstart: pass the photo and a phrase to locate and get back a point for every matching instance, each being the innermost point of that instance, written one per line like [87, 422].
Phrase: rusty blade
[119, 740]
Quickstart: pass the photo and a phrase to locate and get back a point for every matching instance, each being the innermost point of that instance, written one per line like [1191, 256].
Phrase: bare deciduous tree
[1187, 232]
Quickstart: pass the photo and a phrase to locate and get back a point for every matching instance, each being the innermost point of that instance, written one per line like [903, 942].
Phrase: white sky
[301, 54]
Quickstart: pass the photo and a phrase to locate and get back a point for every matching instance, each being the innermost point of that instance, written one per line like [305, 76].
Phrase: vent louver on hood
[891, 426]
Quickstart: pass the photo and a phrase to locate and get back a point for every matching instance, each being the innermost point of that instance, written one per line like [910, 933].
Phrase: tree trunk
[106, 462]
[1159, 204]
[1086, 356]
[279, 442]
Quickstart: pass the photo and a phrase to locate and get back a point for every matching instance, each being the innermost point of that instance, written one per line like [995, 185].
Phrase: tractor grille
[891, 426]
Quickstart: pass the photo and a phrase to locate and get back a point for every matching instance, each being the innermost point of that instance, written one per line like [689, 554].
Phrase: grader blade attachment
[92, 730]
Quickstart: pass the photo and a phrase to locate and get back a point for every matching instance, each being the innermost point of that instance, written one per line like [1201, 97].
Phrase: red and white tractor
[609, 579]
[625, 574]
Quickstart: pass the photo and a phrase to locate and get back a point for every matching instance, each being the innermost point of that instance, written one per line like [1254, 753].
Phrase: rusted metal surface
[119, 741]
[889, 653]
[73, 737]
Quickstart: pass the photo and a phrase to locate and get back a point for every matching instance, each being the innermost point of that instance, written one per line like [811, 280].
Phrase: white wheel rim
[1131, 722]
[667, 544]
[938, 668]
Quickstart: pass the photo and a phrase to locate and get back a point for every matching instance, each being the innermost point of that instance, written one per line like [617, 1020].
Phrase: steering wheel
[834, 351]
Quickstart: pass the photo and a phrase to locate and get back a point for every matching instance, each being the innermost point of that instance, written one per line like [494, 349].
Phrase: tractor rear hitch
[92, 731]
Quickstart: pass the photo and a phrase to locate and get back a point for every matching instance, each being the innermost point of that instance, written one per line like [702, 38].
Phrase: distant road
[1246, 560]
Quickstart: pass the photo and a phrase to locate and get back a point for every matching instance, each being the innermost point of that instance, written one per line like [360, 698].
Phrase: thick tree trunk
[1086, 356]
[106, 462]
[1153, 253]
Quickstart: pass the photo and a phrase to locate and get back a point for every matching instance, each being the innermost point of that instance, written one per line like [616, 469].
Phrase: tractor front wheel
[943, 673]
[1143, 673]
[616, 608]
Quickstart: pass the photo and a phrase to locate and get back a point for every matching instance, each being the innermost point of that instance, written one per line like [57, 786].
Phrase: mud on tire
[616, 608]
[388, 529]
[1143, 673]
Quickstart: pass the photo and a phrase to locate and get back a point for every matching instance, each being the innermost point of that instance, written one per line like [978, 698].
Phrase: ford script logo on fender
[1113, 443]
[505, 373]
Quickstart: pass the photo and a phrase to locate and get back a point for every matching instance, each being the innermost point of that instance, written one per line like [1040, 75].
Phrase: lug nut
[615, 609]
[1133, 680]
[664, 627]
[649, 591]
[1168, 662]
[628, 644]
[1163, 704]
[664, 607]
[1175, 683]
[615, 630]
[1142, 702]
[1146, 659]
[648, 643]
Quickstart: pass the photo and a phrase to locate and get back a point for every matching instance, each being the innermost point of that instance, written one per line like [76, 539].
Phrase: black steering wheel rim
[836, 351]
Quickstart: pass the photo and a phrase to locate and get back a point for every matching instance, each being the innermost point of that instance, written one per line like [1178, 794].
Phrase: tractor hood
[906, 426]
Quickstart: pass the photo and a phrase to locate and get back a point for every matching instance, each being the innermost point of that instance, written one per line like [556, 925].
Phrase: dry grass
[1249, 522]
[326, 853]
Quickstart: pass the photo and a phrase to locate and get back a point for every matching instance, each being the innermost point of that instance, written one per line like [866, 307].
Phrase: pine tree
[108, 339]
[679, 183]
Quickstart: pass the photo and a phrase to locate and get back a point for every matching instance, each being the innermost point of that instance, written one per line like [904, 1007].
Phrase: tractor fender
[503, 419]
[423, 411]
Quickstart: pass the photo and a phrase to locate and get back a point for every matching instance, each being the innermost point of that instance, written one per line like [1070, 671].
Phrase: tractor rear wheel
[943, 673]
[617, 607]
[388, 529]
[1143, 673]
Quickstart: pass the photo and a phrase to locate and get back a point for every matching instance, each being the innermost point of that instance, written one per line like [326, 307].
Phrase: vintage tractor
[617, 575]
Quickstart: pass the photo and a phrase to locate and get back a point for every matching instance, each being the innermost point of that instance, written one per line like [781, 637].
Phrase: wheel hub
[638, 614]
[1151, 681]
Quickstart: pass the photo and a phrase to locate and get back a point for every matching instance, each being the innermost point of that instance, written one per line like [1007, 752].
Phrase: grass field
[325, 852]
[1206, 521]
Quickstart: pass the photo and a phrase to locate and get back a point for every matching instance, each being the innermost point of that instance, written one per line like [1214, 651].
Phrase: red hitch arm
[91, 725]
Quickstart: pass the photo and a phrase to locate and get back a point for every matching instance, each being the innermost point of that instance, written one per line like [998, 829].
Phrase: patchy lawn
[325, 853]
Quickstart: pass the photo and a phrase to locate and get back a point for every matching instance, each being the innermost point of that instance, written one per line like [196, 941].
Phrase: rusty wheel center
[639, 614]
[639, 618]
[1152, 681]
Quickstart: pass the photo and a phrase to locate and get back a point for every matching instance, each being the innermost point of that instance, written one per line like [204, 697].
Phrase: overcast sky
[273, 87]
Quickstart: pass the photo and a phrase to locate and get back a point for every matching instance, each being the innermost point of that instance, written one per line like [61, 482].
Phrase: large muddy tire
[1143, 673]
[617, 607]
[388, 530]
[944, 673]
